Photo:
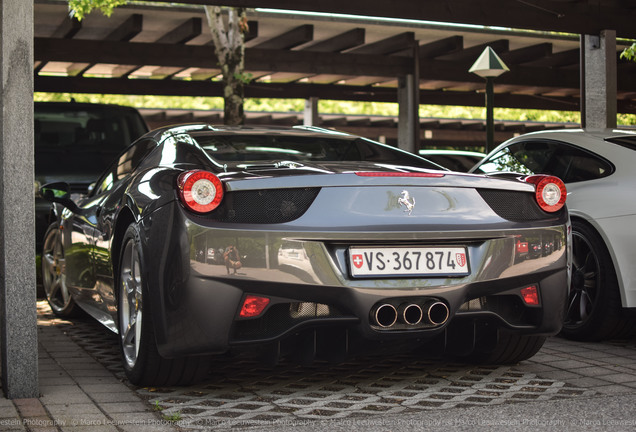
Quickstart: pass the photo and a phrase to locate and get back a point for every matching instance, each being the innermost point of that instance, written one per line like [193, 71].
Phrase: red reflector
[530, 295]
[396, 174]
[253, 306]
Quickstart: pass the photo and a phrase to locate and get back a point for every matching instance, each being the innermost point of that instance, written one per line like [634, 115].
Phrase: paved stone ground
[77, 393]
[83, 387]
[244, 394]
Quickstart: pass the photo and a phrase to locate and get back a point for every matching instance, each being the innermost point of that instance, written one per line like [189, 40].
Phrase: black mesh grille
[512, 205]
[282, 317]
[268, 206]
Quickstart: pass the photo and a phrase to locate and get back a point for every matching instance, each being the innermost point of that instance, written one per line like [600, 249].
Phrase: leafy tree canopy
[80, 8]
[629, 53]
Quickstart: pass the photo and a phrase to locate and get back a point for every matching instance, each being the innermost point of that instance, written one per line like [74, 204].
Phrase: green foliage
[80, 8]
[175, 417]
[164, 102]
[626, 119]
[324, 106]
[244, 77]
[629, 53]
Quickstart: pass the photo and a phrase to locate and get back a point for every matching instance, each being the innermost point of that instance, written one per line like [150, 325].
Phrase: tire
[594, 310]
[510, 349]
[54, 275]
[143, 364]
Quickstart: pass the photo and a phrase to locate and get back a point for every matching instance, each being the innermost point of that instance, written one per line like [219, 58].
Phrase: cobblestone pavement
[243, 393]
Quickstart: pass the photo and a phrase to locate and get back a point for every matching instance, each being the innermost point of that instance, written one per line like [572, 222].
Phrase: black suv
[74, 143]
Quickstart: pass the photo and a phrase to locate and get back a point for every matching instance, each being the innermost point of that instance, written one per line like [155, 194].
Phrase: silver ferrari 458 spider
[202, 240]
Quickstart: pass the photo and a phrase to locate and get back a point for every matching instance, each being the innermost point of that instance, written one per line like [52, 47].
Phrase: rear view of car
[332, 245]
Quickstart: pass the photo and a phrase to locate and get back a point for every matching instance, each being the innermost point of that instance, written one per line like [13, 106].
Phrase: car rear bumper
[306, 276]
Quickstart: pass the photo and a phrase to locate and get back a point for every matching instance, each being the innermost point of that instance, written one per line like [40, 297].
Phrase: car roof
[207, 129]
[451, 152]
[591, 133]
[72, 105]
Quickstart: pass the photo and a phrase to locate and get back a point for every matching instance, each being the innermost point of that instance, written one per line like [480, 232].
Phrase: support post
[409, 106]
[599, 86]
[310, 115]
[18, 326]
[490, 116]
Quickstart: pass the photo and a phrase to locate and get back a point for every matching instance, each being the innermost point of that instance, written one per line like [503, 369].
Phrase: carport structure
[300, 54]
[307, 57]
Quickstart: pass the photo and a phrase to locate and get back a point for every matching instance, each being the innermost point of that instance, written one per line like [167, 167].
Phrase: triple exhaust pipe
[412, 314]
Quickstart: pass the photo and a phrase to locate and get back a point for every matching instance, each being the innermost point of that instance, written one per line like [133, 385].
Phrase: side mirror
[60, 192]
[56, 192]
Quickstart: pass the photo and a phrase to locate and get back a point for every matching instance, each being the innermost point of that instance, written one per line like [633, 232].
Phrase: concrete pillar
[18, 321]
[598, 95]
[310, 116]
[409, 106]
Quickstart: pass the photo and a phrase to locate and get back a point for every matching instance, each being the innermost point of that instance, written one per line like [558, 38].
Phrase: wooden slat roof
[161, 50]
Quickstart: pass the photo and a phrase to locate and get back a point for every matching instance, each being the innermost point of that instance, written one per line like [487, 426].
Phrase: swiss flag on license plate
[358, 261]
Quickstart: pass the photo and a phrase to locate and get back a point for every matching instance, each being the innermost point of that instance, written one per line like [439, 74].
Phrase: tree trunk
[230, 51]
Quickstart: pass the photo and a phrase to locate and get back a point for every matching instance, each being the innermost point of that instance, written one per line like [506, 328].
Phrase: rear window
[454, 162]
[76, 142]
[253, 148]
[625, 141]
[70, 127]
[570, 163]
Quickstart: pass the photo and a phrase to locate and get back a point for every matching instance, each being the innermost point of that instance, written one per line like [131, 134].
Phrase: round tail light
[200, 191]
[550, 192]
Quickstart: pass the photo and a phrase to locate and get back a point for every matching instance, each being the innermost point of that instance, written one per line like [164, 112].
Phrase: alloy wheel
[585, 285]
[54, 272]
[130, 303]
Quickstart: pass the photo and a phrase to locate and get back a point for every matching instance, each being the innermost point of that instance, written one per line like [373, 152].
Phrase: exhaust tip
[437, 313]
[411, 314]
[385, 315]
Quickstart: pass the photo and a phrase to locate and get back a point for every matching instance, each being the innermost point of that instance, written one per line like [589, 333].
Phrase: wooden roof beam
[290, 39]
[469, 55]
[389, 45]
[582, 17]
[527, 54]
[67, 29]
[185, 32]
[441, 47]
[341, 42]
[252, 31]
[559, 59]
[180, 35]
[127, 30]
[300, 62]
[436, 48]
[124, 32]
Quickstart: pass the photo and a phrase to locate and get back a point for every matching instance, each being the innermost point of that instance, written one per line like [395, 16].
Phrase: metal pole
[490, 123]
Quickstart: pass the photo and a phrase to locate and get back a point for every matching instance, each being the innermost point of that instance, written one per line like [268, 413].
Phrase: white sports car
[598, 170]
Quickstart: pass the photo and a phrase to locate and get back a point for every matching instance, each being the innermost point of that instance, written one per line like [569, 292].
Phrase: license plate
[408, 261]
